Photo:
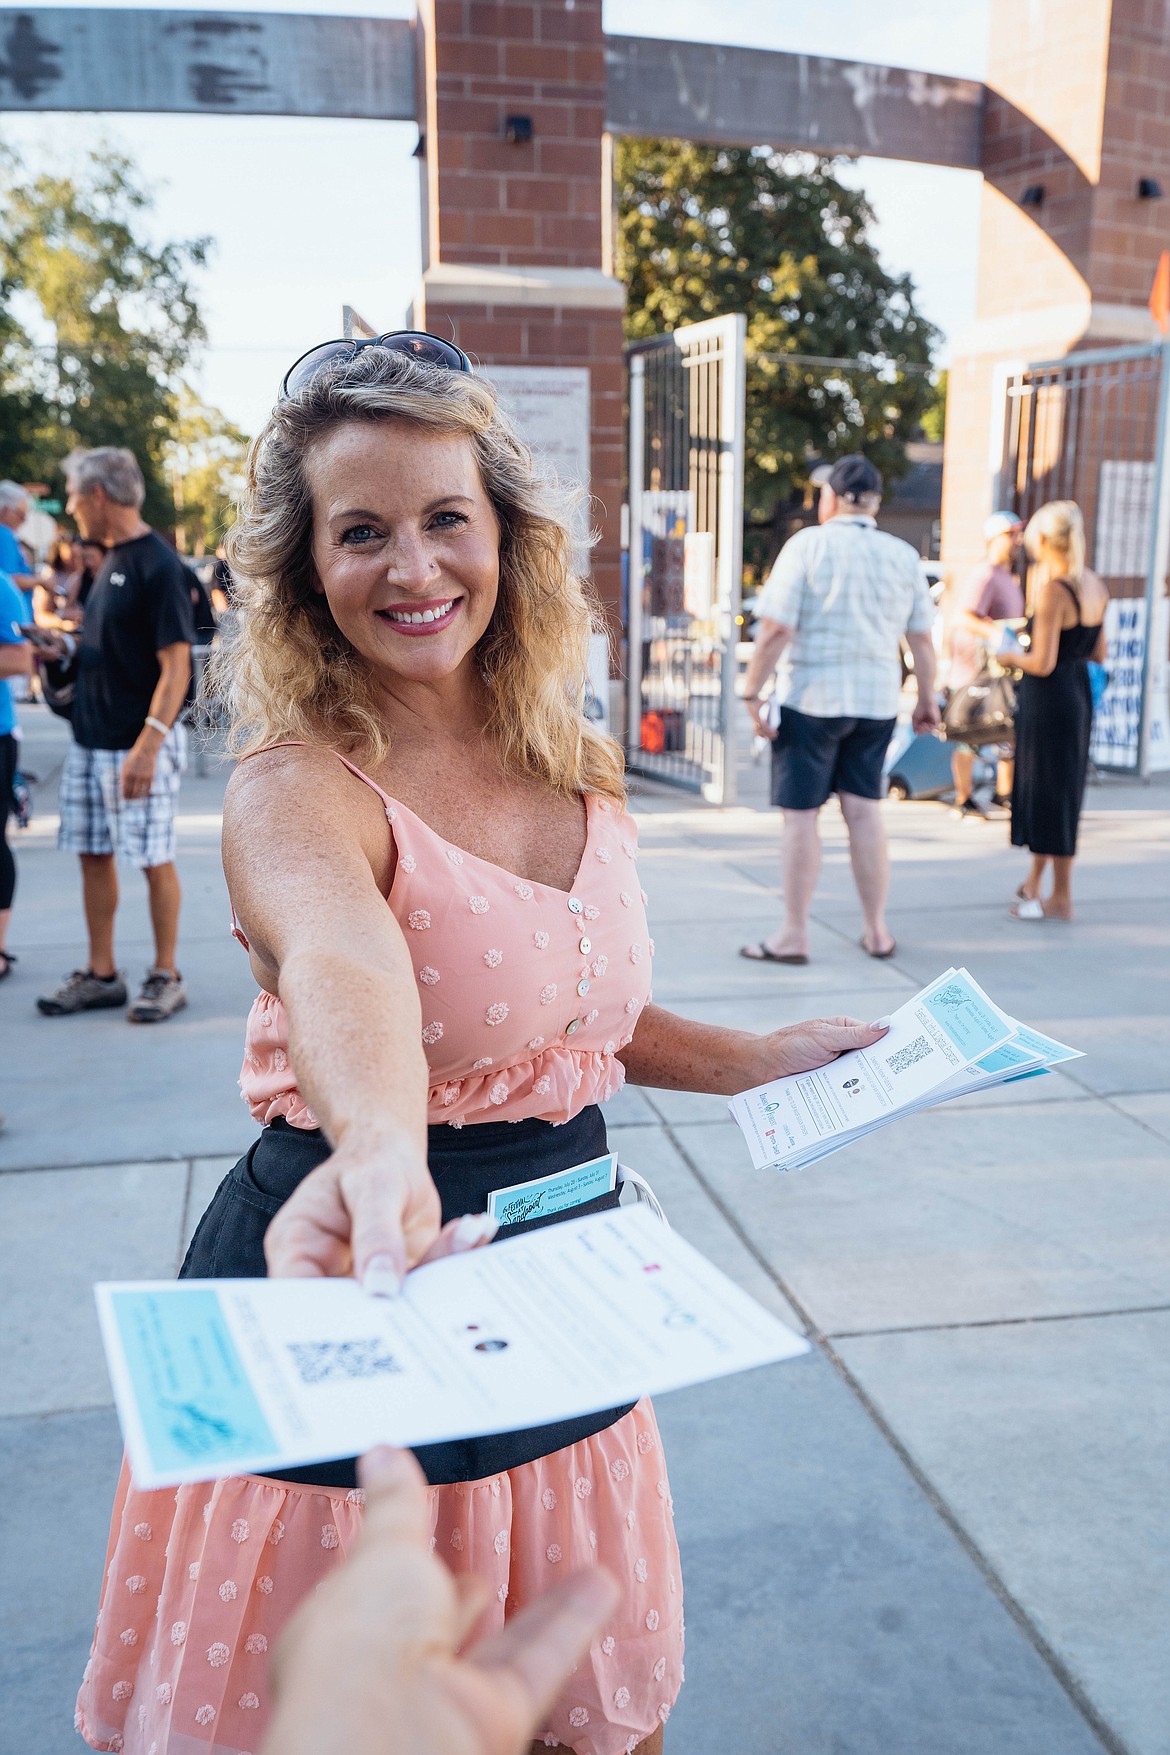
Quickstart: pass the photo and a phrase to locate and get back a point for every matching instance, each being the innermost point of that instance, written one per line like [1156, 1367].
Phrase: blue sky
[308, 215]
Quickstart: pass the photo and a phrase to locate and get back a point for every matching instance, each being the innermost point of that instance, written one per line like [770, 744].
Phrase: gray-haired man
[120, 782]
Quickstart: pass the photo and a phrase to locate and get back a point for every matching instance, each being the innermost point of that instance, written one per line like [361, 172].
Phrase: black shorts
[812, 757]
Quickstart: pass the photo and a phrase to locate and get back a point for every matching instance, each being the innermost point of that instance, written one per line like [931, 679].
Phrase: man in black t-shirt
[120, 782]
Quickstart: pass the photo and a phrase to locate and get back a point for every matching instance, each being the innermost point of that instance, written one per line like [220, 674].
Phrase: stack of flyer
[948, 1041]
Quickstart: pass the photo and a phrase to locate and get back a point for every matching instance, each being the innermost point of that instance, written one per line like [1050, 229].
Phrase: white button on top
[586, 946]
[582, 988]
[575, 905]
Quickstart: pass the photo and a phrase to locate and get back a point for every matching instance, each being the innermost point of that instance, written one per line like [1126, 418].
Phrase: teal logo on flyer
[194, 1398]
[961, 1011]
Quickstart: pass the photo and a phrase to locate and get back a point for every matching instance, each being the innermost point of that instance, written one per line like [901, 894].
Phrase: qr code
[952, 995]
[910, 1055]
[327, 1361]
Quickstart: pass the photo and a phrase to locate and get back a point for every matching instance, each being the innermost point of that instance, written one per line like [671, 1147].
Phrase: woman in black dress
[1054, 705]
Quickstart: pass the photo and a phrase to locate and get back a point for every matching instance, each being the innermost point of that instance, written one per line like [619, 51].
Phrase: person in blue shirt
[14, 505]
[14, 661]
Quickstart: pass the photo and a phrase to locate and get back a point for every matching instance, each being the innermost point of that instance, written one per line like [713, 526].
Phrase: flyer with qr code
[221, 1377]
[949, 1040]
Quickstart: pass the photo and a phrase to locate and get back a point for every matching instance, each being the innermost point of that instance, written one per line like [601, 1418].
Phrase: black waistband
[466, 1163]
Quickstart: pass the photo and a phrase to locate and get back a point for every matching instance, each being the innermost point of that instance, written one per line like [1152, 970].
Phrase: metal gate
[685, 553]
[1092, 427]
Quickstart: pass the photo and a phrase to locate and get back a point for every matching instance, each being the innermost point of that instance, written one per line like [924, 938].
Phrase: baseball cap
[854, 478]
[999, 524]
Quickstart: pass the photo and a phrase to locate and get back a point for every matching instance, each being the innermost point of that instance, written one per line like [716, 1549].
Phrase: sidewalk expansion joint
[184, 1214]
[1059, 1670]
[936, 1328]
[1113, 1100]
[233, 1153]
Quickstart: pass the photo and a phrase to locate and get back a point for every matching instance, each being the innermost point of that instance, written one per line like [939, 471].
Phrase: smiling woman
[304, 666]
[436, 878]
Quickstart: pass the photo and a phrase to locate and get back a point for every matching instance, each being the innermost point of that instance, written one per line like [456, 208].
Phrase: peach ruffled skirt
[200, 1582]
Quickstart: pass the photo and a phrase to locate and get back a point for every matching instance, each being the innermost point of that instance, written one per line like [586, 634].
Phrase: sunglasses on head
[431, 350]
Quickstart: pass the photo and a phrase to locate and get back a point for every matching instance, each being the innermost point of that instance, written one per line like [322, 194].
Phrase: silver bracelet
[157, 725]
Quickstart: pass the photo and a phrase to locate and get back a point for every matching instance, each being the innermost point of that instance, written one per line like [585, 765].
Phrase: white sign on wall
[550, 408]
[1115, 723]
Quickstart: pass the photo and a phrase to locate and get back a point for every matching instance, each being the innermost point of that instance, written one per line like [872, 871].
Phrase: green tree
[98, 325]
[205, 456]
[934, 416]
[838, 354]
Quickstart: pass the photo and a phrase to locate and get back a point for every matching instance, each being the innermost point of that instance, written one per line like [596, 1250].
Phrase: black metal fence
[685, 505]
[1092, 427]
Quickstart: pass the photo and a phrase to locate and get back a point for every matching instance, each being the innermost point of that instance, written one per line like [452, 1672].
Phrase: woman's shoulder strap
[295, 743]
[1069, 586]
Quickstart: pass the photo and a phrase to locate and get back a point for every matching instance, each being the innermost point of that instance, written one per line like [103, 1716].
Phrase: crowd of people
[433, 872]
[838, 604]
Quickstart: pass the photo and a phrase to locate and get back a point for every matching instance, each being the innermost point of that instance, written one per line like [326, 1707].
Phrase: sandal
[759, 953]
[8, 959]
[1032, 908]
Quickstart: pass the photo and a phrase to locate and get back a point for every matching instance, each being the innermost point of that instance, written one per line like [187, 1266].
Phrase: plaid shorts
[95, 818]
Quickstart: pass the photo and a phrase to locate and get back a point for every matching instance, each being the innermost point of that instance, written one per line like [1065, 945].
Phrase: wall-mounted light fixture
[518, 130]
[1149, 189]
[1033, 195]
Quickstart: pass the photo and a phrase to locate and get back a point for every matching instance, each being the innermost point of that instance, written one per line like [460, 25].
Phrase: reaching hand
[368, 1211]
[374, 1662]
[801, 1047]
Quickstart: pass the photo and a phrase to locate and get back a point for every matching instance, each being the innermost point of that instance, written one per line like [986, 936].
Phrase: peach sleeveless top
[527, 992]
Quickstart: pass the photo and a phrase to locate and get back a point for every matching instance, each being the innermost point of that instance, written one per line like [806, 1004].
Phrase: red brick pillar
[512, 246]
[1079, 108]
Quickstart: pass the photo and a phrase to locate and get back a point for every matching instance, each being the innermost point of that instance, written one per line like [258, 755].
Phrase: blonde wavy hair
[288, 674]
[1062, 528]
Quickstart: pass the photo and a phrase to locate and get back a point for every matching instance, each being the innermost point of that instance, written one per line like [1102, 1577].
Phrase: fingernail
[881, 1024]
[474, 1229]
[382, 1278]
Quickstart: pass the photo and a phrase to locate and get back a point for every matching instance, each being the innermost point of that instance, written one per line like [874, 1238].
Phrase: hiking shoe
[162, 995]
[83, 991]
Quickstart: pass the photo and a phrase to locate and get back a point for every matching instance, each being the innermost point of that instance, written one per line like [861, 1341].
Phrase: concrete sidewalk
[941, 1533]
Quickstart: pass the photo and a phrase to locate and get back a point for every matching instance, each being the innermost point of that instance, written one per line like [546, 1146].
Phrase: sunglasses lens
[312, 362]
[430, 349]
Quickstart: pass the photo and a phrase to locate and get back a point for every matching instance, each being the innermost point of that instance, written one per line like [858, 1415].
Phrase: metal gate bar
[1092, 427]
[685, 553]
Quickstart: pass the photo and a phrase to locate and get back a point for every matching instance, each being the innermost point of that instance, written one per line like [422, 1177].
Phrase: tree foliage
[703, 231]
[205, 453]
[98, 325]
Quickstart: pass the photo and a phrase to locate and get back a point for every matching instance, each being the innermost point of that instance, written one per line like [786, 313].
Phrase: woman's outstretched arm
[307, 852]
[677, 1054]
